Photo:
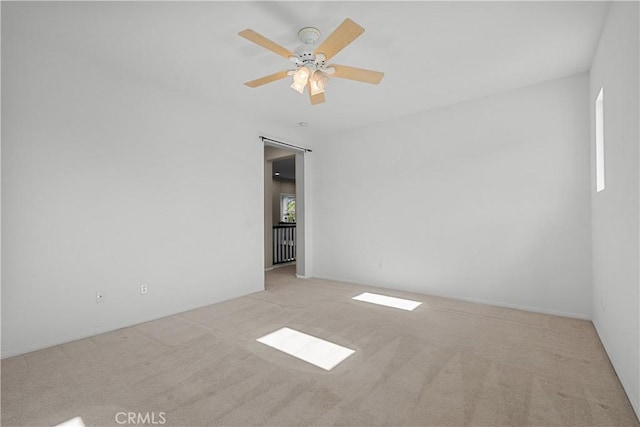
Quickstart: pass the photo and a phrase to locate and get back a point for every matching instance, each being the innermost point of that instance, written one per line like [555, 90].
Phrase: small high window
[600, 141]
[288, 208]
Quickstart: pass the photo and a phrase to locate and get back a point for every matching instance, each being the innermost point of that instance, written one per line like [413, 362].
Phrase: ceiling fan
[311, 69]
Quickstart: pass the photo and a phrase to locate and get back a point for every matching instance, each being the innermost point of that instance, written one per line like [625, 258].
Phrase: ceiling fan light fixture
[318, 82]
[300, 79]
[311, 60]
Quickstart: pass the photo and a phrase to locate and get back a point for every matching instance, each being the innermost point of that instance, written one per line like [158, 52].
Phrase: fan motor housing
[305, 53]
[309, 36]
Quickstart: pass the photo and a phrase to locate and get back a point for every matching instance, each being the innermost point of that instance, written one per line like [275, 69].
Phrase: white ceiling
[433, 53]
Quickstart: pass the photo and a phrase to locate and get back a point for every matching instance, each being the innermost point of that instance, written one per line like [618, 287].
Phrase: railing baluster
[283, 248]
[285, 245]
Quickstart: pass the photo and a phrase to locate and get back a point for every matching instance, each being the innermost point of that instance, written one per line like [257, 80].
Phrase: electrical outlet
[144, 289]
[99, 297]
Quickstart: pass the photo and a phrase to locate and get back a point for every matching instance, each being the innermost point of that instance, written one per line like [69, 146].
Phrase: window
[288, 208]
[600, 141]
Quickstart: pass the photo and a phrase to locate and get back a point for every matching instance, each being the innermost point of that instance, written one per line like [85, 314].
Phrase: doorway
[284, 209]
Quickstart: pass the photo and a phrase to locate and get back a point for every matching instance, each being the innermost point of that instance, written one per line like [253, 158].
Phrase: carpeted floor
[446, 363]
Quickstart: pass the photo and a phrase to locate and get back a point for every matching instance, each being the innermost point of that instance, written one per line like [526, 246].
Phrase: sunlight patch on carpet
[402, 304]
[73, 422]
[316, 351]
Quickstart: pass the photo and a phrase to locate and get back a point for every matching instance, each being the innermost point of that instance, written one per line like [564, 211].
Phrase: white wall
[616, 295]
[487, 201]
[109, 182]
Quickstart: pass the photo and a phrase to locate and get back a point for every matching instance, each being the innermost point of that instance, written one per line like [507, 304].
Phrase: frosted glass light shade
[300, 79]
[318, 82]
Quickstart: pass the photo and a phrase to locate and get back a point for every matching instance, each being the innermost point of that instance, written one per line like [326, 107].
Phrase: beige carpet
[446, 363]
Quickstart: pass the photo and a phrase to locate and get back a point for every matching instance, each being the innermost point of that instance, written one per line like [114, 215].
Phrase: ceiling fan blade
[261, 40]
[359, 74]
[267, 79]
[346, 32]
[318, 98]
